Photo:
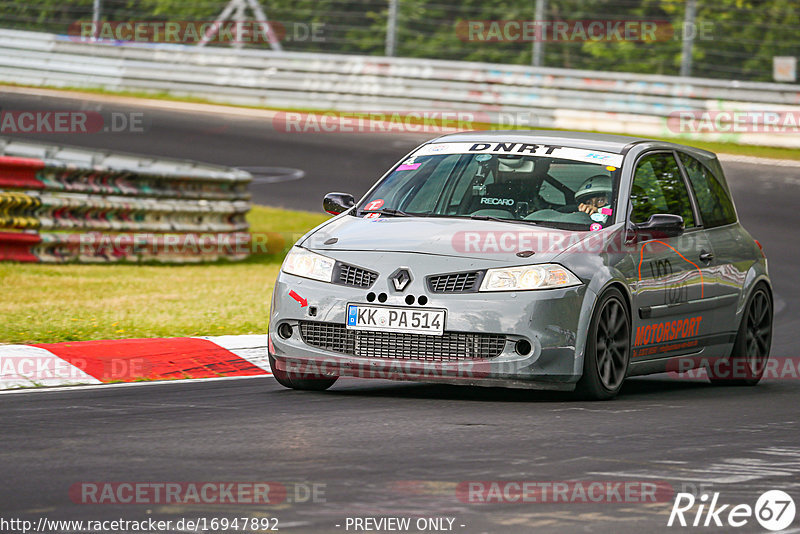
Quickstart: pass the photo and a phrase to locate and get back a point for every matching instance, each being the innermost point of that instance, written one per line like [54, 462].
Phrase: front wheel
[608, 349]
[302, 381]
[748, 360]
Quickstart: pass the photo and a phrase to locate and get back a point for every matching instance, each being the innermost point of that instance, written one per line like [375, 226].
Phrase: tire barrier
[54, 206]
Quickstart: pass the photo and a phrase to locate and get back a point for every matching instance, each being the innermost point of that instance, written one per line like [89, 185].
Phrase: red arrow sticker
[303, 302]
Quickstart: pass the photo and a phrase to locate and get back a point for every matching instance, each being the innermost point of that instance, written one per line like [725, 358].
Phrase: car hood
[462, 238]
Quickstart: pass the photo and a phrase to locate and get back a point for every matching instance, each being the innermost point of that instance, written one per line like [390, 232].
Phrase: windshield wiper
[392, 212]
[500, 219]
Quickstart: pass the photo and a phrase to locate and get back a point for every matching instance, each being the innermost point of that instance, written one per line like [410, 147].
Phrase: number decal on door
[674, 291]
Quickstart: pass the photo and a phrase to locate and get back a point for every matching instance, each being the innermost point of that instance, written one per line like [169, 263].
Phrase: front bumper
[552, 321]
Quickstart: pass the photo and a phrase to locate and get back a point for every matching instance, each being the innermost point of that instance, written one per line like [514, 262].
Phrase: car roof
[585, 140]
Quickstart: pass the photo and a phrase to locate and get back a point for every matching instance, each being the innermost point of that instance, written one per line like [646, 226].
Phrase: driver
[594, 194]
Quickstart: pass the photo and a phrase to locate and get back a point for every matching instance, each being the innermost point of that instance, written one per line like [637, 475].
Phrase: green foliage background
[739, 41]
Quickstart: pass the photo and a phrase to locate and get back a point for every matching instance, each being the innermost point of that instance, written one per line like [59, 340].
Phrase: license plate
[411, 320]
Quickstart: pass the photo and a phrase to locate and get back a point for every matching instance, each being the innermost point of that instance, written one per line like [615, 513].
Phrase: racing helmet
[599, 184]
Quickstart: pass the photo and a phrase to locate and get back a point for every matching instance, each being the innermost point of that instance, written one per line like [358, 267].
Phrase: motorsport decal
[523, 149]
[667, 336]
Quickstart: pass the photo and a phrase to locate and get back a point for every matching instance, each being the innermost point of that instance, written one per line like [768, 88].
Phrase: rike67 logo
[774, 510]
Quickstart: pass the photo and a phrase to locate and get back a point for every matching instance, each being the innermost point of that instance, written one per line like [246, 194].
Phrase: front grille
[451, 346]
[350, 275]
[454, 282]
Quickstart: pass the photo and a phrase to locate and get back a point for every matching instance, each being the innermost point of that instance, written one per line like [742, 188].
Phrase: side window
[715, 204]
[659, 188]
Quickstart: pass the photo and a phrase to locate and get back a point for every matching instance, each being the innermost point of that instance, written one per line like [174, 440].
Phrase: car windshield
[535, 184]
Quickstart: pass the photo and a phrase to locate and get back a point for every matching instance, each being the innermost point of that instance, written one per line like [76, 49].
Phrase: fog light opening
[523, 347]
[285, 330]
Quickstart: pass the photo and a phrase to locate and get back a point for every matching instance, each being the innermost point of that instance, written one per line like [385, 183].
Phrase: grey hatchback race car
[531, 259]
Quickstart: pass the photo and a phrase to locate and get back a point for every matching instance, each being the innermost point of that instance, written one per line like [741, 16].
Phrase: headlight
[302, 262]
[545, 276]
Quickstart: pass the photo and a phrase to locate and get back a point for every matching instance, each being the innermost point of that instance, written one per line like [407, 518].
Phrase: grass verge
[52, 303]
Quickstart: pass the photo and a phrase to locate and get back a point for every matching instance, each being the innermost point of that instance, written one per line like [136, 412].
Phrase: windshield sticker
[497, 201]
[409, 167]
[606, 211]
[483, 157]
[374, 205]
[595, 227]
[599, 217]
[610, 168]
[525, 149]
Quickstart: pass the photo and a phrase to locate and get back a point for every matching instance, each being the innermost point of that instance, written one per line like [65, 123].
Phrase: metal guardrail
[126, 208]
[557, 98]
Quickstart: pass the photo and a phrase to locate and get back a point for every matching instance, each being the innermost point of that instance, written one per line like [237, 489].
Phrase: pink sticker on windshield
[595, 227]
[606, 211]
[409, 167]
[374, 205]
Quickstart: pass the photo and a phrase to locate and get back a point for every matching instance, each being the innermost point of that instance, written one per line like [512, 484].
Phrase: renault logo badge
[400, 279]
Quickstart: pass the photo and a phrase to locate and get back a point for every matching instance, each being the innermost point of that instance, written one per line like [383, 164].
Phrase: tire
[748, 359]
[608, 349]
[306, 382]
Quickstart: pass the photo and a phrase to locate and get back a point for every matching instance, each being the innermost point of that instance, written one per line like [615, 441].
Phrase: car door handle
[706, 256]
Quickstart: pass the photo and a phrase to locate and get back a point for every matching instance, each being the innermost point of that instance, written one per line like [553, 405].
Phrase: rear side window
[715, 204]
[658, 187]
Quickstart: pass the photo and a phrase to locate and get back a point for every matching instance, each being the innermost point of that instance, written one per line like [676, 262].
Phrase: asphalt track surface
[395, 449]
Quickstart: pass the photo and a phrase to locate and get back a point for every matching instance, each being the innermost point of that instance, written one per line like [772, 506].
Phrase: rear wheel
[303, 381]
[745, 366]
[608, 349]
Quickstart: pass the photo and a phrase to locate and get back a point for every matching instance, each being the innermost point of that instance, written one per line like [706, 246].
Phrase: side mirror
[660, 225]
[336, 203]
